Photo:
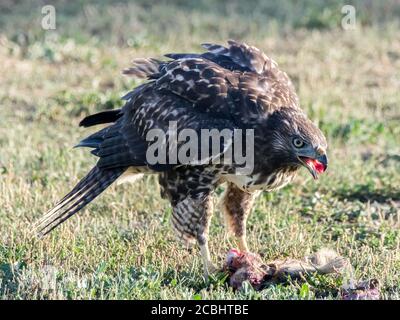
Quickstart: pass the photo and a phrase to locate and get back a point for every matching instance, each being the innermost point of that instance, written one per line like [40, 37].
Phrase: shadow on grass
[391, 157]
[9, 279]
[366, 193]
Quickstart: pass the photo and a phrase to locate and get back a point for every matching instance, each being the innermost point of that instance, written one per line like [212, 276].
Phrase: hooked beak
[316, 165]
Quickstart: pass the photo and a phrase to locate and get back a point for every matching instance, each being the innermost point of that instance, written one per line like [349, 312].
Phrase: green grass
[121, 246]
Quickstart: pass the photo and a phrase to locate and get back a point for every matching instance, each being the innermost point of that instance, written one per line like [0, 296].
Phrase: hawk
[236, 87]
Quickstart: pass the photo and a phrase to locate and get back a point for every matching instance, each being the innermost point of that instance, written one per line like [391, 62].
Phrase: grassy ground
[121, 246]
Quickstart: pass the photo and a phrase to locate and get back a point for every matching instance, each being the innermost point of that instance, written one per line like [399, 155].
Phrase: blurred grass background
[121, 246]
[134, 23]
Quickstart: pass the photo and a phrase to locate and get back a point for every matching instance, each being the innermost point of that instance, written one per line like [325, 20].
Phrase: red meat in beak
[315, 166]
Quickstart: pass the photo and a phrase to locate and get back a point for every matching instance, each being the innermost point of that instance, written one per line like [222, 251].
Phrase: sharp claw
[209, 269]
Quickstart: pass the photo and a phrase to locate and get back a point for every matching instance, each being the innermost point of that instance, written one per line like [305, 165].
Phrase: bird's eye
[298, 143]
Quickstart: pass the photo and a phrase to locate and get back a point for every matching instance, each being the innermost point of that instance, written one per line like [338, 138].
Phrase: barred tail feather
[143, 68]
[94, 183]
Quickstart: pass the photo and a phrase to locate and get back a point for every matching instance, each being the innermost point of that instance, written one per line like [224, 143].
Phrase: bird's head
[296, 141]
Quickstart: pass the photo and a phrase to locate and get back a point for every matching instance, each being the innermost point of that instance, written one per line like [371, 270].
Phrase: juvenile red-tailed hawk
[234, 87]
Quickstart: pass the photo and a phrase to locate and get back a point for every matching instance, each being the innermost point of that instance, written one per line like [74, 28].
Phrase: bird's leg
[192, 206]
[208, 266]
[191, 221]
[206, 208]
[236, 205]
